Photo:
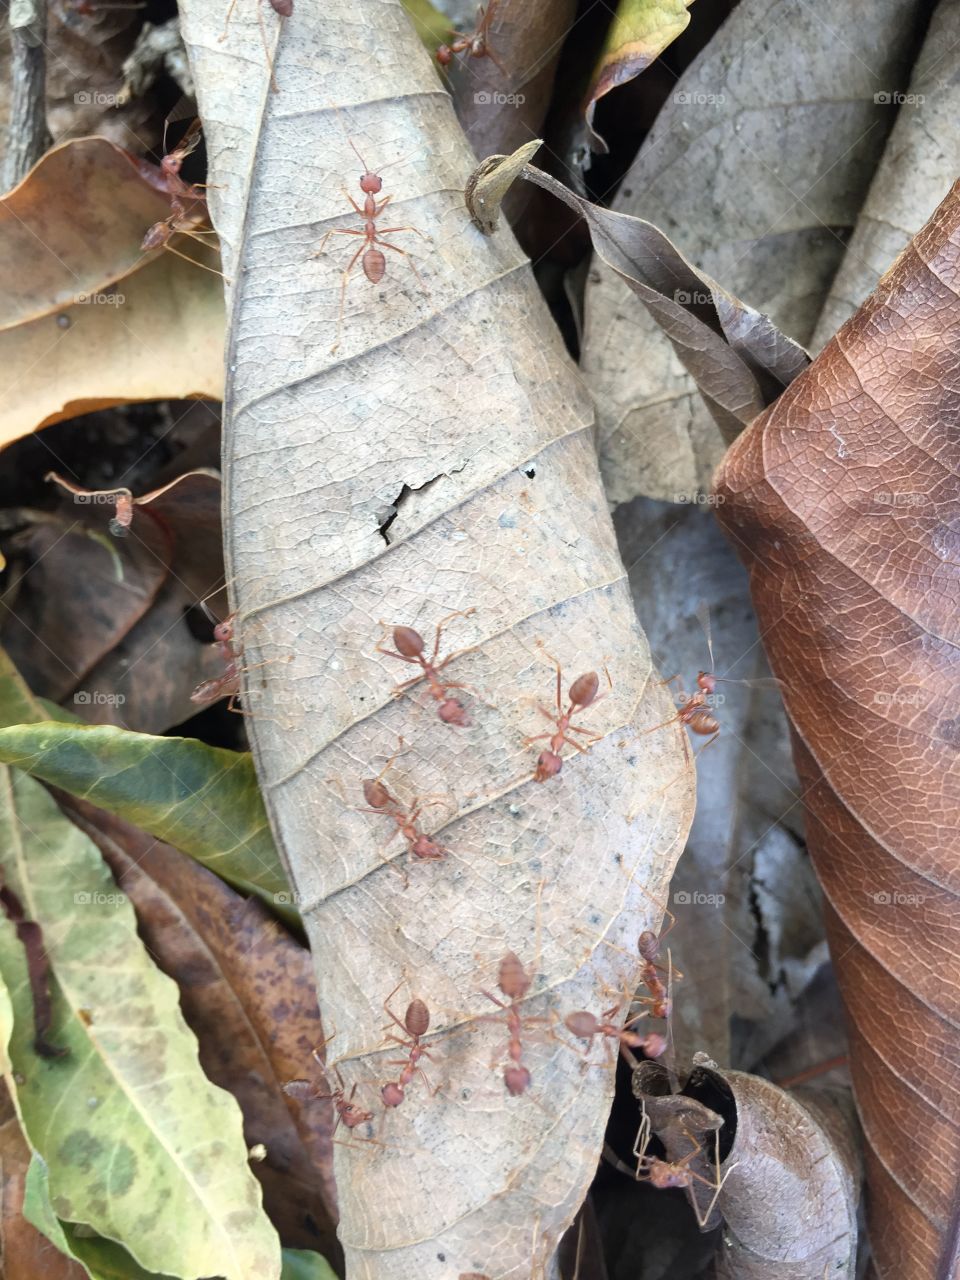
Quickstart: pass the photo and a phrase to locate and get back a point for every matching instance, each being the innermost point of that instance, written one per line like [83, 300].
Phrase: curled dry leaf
[471, 430]
[763, 164]
[919, 165]
[790, 1199]
[639, 32]
[841, 500]
[247, 993]
[74, 225]
[739, 358]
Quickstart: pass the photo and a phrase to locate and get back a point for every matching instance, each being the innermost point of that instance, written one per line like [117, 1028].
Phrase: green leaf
[432, 26]
[102, 1259]
[138, 1144]
[203, 800]
[639, 33]
[304, 1264]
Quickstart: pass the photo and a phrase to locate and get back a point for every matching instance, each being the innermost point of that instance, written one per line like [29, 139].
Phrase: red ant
[373, 262]
[514, 981]
[227, 685]
[380, 800]
[664, 1174]
[410, 645]
[474, 44]
[349, 1114]
[187, 202]
[694, 709]
[415, 1024]
[283, 8]
[649, 945]
[586, 1025]
[582, 694]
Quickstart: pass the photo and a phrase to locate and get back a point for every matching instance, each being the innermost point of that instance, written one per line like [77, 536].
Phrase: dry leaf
[919, 165]
[156, 335]
[790, 1202]
[739, 358]
[462, 476]
[841, 500]
[757, 165]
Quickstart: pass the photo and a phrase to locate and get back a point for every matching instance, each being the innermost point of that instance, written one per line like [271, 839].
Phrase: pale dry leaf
[443, 460]
[757, 165]
[790, 1198]
[920, 163]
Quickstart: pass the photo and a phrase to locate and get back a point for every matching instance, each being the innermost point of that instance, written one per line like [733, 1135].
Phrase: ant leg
[266, 48]
[335, 231]
[193, 262]
[457, 613]
[344, 279]
[410, 262]
[226, 23]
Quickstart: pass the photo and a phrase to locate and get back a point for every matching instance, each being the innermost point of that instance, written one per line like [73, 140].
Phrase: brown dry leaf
[25, 1253]
[247, 992]
[759, 166]
[788, 1180]
[919, 165]
[501, 107]
[74, 225]
[790, 1200]
[842, 502]
[157, 335]
[454, 468]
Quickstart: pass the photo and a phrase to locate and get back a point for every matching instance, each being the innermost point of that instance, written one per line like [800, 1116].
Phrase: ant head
[392, 1094]
[451, 711]
[444, 55]
[549, 765]
[517, 1080]
[223, 631]
[370, 183]
[512, 979]
[707, 681]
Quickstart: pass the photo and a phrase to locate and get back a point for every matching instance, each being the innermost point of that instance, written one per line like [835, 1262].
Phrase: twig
[27, 133]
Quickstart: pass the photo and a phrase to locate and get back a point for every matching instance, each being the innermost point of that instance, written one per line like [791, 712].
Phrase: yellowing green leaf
[203, 800]
[639, 33]
[138, 1143]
